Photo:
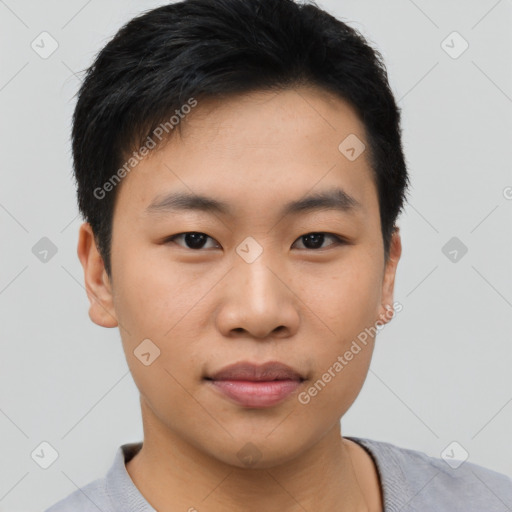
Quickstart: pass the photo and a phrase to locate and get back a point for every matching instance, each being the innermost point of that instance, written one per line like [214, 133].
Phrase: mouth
[256, 386]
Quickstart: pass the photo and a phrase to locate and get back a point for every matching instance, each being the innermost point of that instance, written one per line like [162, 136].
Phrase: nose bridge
[258, 301]
[257, 281]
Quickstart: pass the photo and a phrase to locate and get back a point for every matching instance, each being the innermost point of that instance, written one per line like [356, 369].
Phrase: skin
[206, 308]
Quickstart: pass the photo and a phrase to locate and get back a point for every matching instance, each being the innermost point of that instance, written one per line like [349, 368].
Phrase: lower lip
[256, 393]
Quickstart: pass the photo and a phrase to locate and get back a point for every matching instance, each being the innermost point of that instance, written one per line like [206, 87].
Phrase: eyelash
[337, 239]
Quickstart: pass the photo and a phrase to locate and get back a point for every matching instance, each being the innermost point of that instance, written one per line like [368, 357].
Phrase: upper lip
[272, 370]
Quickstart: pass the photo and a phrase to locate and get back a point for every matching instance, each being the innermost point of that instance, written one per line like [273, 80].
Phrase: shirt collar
[121, 490]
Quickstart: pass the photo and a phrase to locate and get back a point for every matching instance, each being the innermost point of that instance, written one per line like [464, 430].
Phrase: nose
[259, 302]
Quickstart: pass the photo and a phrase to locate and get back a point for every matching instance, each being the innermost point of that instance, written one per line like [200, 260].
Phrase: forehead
[269, 118]
[256, 149]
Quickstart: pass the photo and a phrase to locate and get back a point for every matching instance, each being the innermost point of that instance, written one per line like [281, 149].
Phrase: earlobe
[386, 311]
[97, 283]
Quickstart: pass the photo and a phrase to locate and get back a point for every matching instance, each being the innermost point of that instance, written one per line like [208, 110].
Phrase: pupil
[317, 239]
[195, 240]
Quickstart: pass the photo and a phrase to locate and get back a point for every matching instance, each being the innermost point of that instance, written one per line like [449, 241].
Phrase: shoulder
[91, 497]
[412, 480]
[114, 491]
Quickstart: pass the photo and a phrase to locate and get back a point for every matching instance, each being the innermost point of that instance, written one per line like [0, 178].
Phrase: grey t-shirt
[411, 482]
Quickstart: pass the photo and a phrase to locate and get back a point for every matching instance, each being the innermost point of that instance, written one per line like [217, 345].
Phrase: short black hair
[192, 49]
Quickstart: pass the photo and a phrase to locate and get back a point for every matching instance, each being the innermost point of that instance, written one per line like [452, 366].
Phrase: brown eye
[192, 239]
[315, 240]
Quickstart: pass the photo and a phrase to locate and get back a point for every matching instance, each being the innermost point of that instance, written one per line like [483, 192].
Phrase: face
[249, 281]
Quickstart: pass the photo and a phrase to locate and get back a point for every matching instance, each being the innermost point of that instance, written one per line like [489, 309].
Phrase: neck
[174, 475]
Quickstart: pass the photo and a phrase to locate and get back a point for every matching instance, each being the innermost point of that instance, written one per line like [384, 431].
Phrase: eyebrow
[331, 199]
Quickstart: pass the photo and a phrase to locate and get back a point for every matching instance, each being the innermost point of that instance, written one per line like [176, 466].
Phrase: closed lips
[246, 371]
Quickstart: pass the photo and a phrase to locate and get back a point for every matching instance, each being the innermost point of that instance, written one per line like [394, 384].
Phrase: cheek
[345, 298]
[346, 307]
[164, 306]
[150, 299]
[341, 362]
[341, 367]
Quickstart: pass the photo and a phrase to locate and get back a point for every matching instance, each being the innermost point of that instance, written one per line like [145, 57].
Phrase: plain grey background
[441, 369]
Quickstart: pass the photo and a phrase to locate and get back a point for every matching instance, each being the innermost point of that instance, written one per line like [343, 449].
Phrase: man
[240, 168]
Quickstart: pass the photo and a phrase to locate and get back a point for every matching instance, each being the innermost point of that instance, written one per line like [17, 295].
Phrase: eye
[316, 240]
[193, 239]
[312, 241]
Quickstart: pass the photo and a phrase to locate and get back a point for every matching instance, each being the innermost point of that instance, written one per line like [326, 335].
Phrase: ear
[97, 282]
[386, 311]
